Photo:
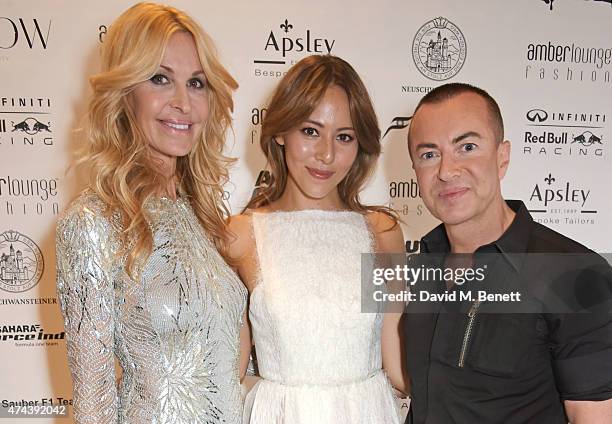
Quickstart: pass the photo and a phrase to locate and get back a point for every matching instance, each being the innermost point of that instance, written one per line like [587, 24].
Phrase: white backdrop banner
[547, 62]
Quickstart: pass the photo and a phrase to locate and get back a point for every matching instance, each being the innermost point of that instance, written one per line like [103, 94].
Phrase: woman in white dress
[298, 249]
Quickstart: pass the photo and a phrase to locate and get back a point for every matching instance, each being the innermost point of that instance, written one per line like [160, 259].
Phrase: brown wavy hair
[293, 101]
[117, 153]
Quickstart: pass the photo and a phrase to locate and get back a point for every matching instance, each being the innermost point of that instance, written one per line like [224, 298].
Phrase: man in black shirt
[469, 366]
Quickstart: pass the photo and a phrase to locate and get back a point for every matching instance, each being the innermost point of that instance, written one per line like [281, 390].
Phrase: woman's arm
[390, 240]
[242, 251]
[86, 296]
[245, 345]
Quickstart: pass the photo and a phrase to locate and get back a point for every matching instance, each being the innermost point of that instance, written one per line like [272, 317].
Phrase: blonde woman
[298, 249]
[139, 273]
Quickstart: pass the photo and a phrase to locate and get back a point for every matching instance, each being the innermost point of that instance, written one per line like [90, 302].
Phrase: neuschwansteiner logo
[21, 262]
[439, 49]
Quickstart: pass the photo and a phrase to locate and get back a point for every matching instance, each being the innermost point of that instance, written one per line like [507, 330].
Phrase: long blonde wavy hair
[296, 96]
[117, 153]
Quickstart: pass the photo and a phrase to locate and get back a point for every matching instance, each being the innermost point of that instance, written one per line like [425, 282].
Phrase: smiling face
[458, 160]
[319, 153]
[171, 108]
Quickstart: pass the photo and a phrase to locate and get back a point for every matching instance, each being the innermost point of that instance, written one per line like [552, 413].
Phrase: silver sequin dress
[175, 332]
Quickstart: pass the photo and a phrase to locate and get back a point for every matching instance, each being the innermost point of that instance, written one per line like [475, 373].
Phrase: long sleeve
[85, 254]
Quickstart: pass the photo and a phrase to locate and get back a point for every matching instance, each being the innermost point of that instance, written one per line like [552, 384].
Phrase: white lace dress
[319, 356]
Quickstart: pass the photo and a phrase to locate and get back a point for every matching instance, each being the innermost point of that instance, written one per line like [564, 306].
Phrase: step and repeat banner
[547, 62]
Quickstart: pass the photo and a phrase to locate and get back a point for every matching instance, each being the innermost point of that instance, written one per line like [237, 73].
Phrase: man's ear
[503, 158]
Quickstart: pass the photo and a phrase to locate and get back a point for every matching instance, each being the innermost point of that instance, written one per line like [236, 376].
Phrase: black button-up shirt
[517, 367]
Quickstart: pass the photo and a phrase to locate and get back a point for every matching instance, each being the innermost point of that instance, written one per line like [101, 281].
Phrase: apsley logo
[305, 42]
[563, 202]
[21, 262]
[20, 31]
[31, 126]
[548, 193]
[281, 44]
[439, 49]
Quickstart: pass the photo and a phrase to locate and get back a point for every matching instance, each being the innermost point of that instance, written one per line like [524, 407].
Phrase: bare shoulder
[381, 222]
[240, 234]
[243, 248]
[238, 224]
[387, 232]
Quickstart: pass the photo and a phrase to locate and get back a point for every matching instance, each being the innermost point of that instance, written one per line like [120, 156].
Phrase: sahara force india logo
[21, 262]
[439, 49]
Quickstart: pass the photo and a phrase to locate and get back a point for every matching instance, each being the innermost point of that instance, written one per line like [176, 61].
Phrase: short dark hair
[448, 91]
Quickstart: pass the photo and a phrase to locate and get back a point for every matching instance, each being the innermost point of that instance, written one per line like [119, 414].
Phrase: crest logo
[21, 262]
[439, 49]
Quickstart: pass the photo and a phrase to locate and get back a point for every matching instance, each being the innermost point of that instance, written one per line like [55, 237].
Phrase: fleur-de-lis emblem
[286, 26]
[549, 2]
[549, 179]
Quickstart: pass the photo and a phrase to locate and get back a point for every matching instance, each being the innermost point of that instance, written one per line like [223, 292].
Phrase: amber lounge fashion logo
[561, 61]
[405, 197]
[28, 196]
[21, 262]
[439, 49]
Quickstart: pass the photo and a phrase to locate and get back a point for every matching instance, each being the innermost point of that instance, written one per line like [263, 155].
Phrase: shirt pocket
[504, 345]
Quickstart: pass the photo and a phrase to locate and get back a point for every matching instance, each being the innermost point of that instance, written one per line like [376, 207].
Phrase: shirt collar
[514, 240]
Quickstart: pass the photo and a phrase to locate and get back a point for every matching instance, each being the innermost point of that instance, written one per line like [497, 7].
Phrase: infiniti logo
[537, 115]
